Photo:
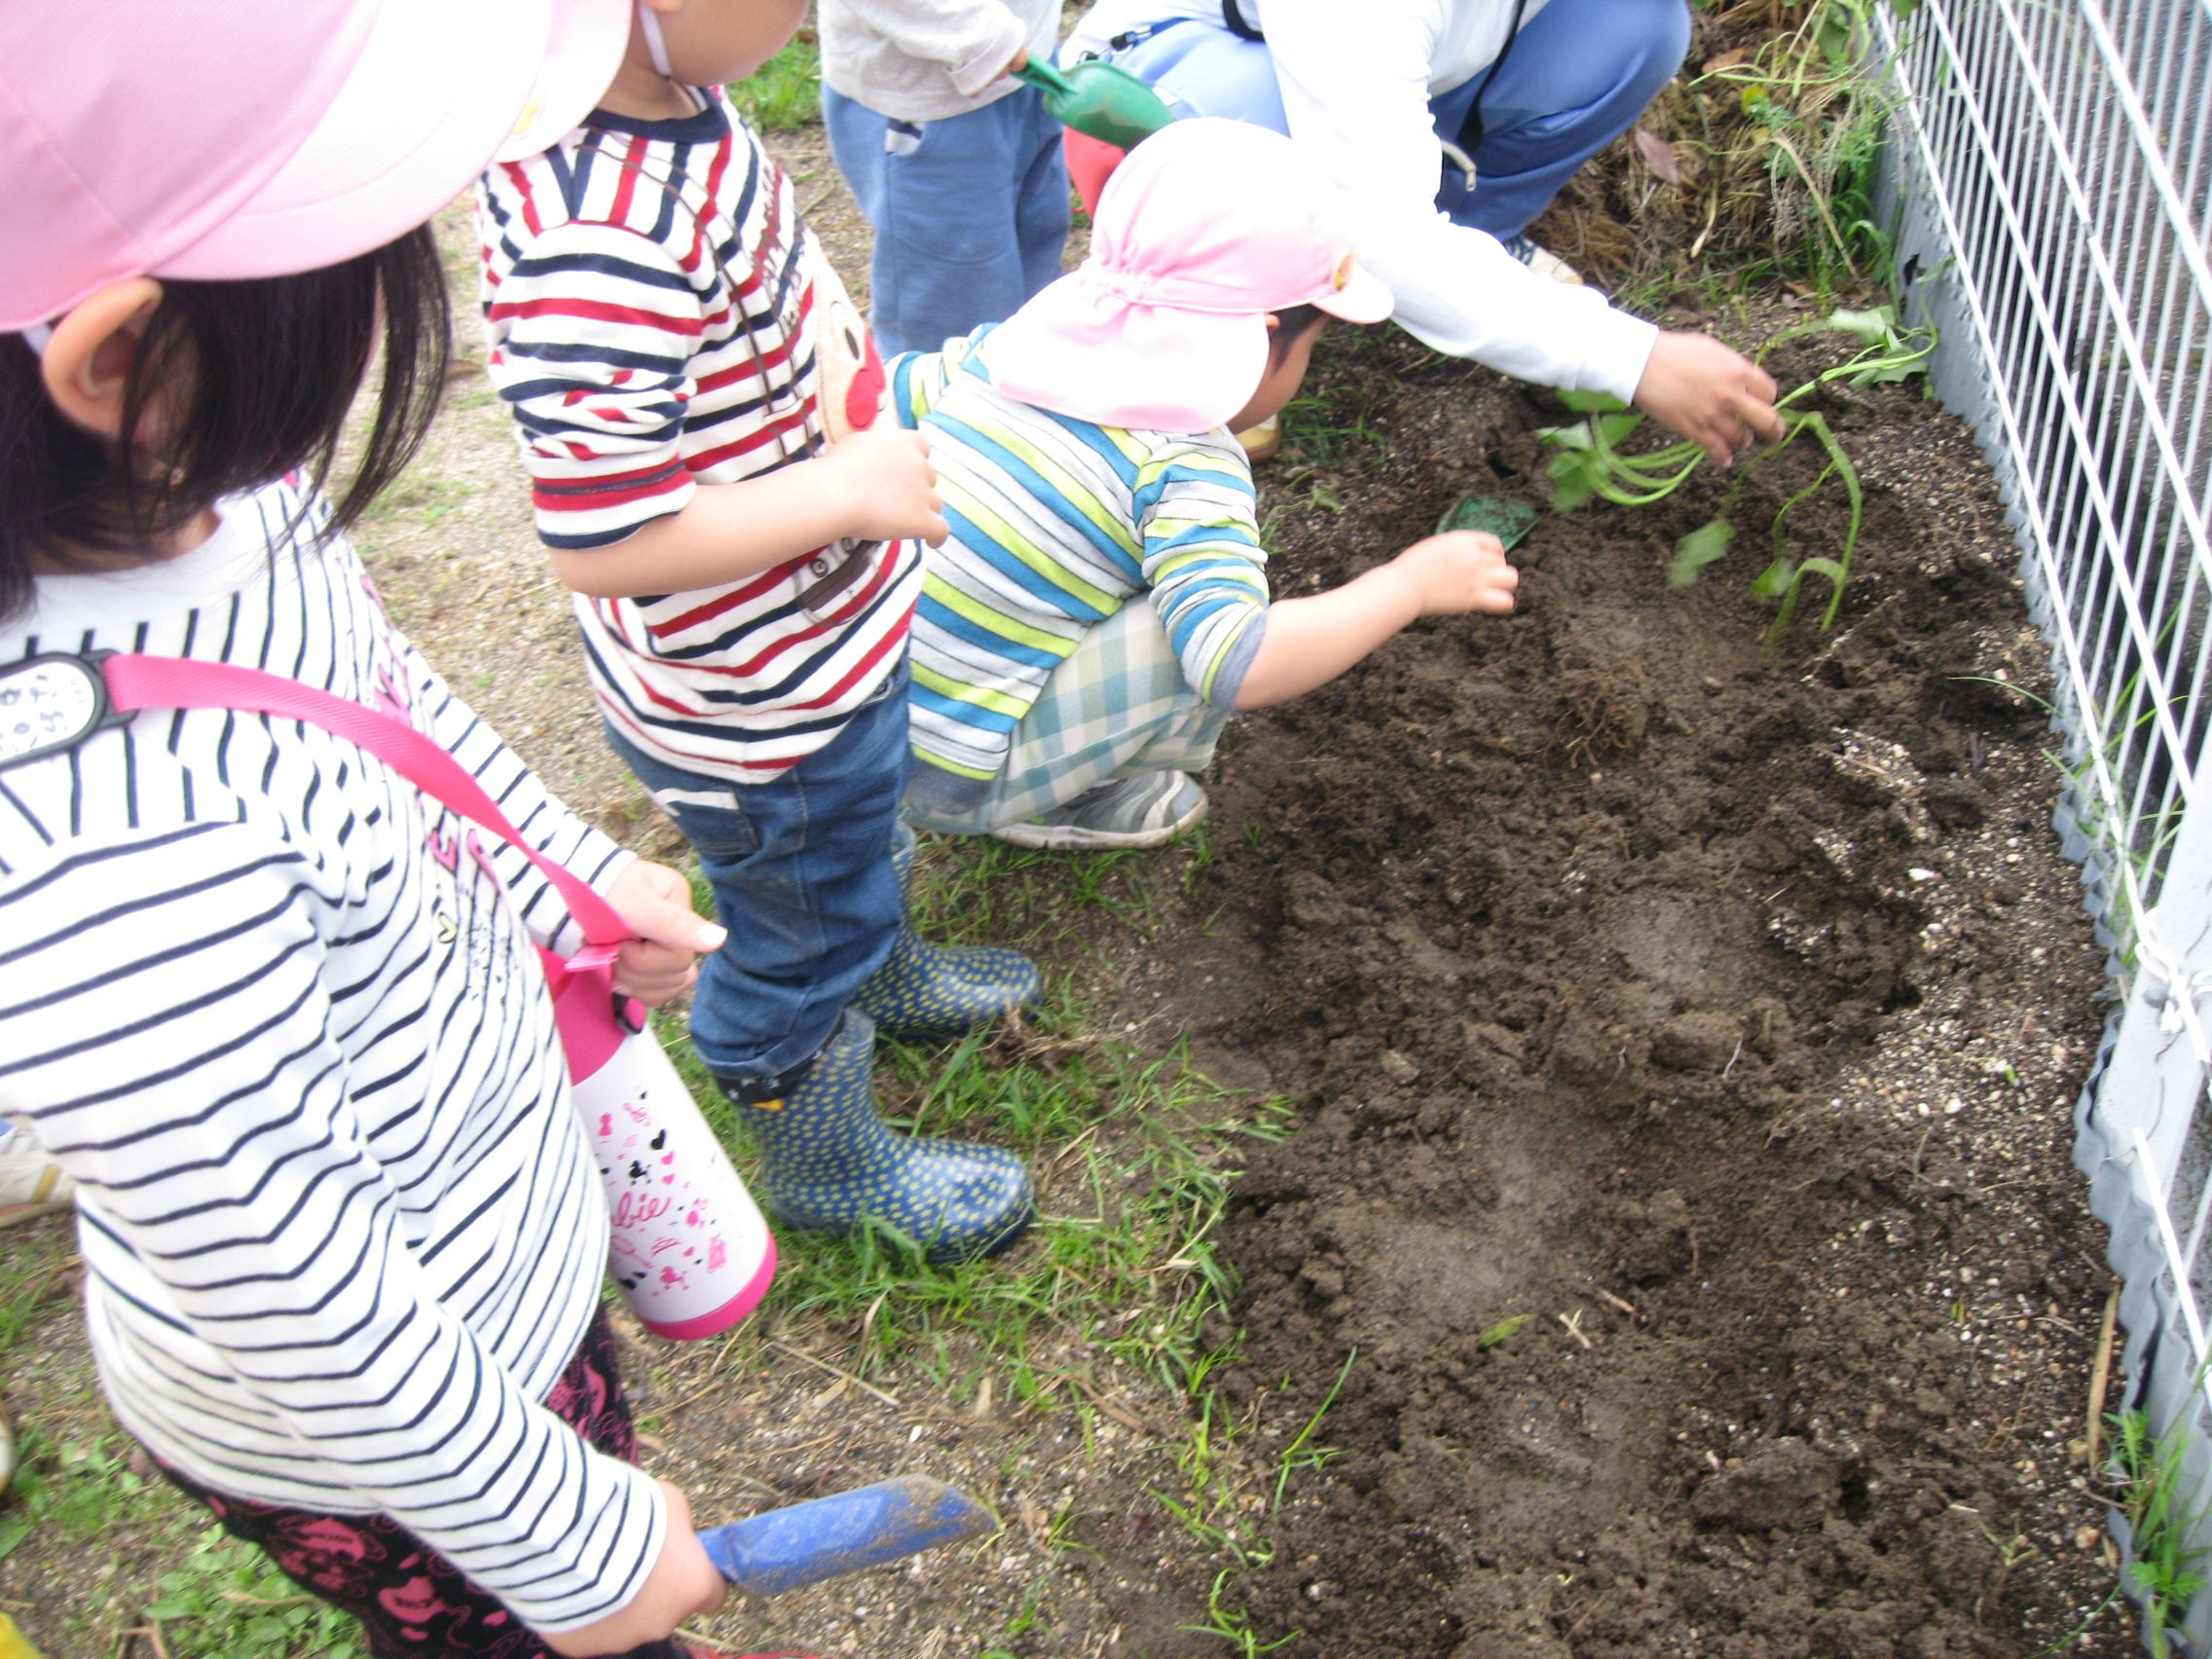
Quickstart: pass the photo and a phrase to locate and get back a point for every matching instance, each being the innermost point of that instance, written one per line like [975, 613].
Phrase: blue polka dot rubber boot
[828, 1163]
[927, 991]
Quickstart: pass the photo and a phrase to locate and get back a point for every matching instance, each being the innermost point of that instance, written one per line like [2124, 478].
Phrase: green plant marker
[1098, 100]
[1509, 521]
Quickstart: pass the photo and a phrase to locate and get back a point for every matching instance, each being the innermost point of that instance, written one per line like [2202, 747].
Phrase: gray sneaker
[1146, 810]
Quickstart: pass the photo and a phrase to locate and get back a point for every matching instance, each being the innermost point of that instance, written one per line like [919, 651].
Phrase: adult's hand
[1715, 396]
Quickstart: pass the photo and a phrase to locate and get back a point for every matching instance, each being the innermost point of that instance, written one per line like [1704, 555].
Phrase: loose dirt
[1689, 1027]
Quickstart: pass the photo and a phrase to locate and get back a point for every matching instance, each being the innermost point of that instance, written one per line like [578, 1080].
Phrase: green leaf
[1875, 327]
[1591, 402]
[1615, 427]
[1835, 40]
[1774, 581]
[1698, 549]
[1575, 480]
[1575, 437]
[1890, 370]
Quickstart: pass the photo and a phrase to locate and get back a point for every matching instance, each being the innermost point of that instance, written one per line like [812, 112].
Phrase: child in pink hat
[1101, 606]
[343, 1234]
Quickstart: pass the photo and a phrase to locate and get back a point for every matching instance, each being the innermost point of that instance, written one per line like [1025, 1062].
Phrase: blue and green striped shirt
[1056, 523]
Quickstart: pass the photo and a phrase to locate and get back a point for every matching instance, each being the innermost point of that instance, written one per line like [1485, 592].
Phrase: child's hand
[1458, 571]
[681, 1585]
[888, 485]
[656, 901]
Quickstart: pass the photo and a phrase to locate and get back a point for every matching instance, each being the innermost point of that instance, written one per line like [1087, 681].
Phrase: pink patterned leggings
[412, 1601]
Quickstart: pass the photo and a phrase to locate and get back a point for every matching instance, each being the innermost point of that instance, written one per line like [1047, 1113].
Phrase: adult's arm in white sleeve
[1361, 95]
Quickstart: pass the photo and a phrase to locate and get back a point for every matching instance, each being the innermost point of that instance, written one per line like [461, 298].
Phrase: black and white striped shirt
[269, 1006]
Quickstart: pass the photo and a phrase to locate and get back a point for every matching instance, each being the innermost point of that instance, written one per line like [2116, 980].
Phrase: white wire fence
[2050, 165]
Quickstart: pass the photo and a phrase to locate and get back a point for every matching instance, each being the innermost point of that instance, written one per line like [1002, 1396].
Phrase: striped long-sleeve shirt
[269, 1006]
[1056, 523]
[649, 305]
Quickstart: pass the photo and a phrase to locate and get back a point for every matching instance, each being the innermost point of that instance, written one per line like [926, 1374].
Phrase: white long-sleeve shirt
[341, 1229]
[1356, 82]
[930, 60]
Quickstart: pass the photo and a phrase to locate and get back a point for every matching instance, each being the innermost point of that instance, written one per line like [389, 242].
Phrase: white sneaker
[1146, 810]
[1541, 260]
[30, 1182]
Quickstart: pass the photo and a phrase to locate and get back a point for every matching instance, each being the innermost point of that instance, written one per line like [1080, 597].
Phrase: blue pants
[1576, 79]
[802, 877]
[971, 213]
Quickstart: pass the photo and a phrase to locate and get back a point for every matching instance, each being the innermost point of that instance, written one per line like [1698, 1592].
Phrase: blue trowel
[847, 1532]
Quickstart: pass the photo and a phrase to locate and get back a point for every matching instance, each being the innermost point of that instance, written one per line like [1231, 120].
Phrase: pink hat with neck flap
[236, 138]
[1208, 226]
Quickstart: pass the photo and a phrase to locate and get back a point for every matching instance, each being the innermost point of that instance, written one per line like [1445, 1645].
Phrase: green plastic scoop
[1098, 100]
[1508, 520]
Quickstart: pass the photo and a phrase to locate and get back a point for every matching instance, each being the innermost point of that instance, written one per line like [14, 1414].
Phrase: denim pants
[971, 213]
[1579, 74]
[802, 877]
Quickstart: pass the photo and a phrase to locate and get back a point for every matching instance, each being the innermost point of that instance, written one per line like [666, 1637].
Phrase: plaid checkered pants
[1118, 704]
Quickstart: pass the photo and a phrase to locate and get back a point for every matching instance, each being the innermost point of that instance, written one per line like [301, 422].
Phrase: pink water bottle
[690, 1248]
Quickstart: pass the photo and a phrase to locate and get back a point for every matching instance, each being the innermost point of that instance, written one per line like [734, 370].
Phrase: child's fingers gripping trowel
[847, 1532]
[1098, 100]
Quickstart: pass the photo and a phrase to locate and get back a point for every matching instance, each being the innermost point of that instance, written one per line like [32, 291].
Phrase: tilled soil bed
[1689, 1027]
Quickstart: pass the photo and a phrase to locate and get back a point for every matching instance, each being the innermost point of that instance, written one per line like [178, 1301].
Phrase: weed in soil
[2162, 1519]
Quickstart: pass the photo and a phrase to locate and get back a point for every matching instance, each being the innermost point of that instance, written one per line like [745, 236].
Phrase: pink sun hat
[1206, 228]
[234, 138]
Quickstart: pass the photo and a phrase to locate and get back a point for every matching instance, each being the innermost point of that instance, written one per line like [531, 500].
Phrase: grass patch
[1132, 1162]
[786, 93]
[1757, 165]
[1110, 1309]
[227, 1603]
[39, 1260]
[2167, 1569]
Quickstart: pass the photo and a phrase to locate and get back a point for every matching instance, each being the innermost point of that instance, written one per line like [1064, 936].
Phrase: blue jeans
[802, 877]
[1576, 79]
[971, 213]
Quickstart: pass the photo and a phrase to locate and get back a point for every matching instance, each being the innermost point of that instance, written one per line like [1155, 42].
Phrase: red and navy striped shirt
[649, 302]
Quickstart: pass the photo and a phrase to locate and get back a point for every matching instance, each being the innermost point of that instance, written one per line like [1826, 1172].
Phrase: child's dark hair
[272, 365]
[1292, 325]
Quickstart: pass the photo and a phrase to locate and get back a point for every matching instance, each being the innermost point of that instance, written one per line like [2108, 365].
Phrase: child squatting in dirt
[1101, 606]
[655, 308]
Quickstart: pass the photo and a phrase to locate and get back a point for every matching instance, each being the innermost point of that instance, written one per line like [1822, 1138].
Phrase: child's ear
[87, 363]
[1272, 321]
